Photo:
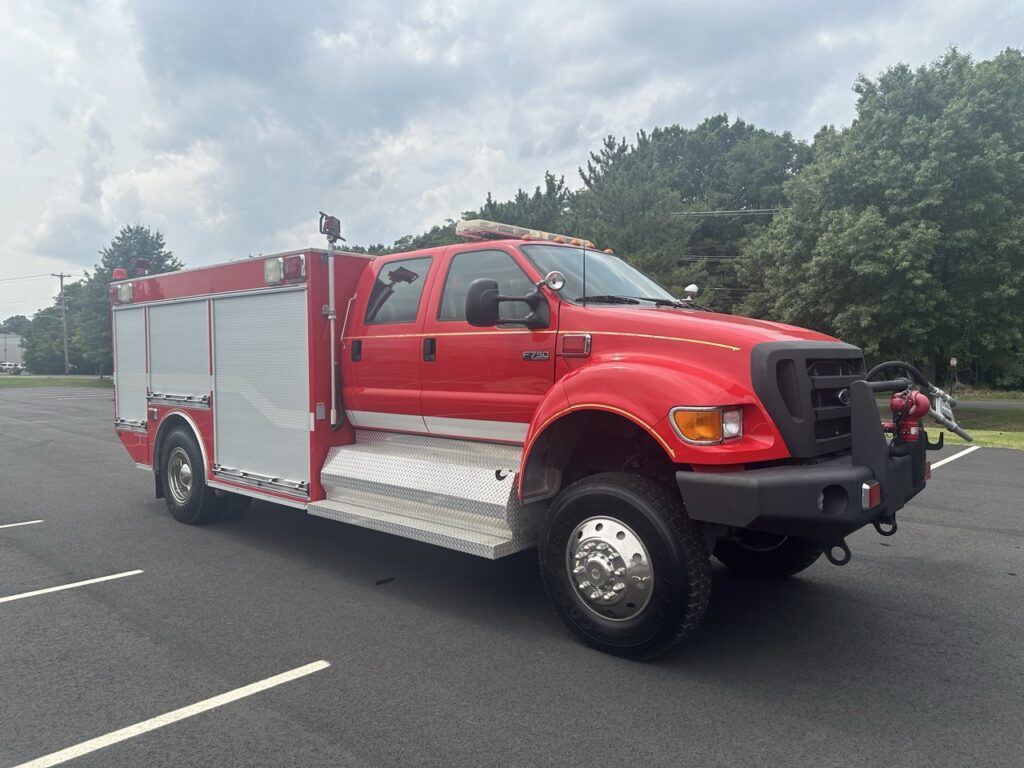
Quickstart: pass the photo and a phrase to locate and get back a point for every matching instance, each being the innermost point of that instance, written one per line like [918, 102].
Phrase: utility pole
[64, 320]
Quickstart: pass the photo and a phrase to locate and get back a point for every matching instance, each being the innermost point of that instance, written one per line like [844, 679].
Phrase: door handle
[430, 350]
[357, 350]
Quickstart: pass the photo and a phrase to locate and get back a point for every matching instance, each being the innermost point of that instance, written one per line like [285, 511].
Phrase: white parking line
[15, 525]
[174, 716]
[62, 587]
[955, 456]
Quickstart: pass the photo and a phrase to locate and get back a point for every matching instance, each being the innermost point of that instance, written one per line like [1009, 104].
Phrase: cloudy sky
[229, 125]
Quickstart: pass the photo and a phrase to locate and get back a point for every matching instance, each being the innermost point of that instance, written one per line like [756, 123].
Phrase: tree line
[902, 233]
[134, 248]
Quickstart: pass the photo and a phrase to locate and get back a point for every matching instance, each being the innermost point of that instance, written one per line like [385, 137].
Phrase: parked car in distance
[12, 369]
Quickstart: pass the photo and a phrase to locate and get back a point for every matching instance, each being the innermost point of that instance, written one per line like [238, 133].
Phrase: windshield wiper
[669, 303]
[608, 299]
[674, 303]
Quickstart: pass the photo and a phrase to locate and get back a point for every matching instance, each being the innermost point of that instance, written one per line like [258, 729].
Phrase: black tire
[191, 502]
[680, 580]
[766, 557]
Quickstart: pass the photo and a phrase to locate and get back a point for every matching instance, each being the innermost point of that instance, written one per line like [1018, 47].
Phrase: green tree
[15, 324]
[132, 246]
[627, 204]
[905, 234]
[545, 209]
[44, 336]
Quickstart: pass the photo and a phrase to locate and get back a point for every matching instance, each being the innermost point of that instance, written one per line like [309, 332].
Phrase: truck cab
[521, 389]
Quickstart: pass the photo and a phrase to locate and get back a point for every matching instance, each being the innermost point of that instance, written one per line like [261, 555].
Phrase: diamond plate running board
[452, 493]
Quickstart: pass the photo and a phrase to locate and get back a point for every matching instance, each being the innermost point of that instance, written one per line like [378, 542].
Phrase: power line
[27, 301]
[23, 277]
[738, 212]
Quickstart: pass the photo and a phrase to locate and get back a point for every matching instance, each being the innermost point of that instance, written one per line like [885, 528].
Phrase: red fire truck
[519, 389]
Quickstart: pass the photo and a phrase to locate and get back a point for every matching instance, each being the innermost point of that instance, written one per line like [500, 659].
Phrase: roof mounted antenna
[330, 227]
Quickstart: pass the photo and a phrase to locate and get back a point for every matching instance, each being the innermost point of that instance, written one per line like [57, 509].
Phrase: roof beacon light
[481, 229]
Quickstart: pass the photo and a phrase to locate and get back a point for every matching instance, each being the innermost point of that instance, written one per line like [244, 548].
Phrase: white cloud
[228, 130]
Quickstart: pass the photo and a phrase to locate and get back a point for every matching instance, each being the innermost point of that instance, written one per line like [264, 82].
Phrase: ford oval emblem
[843, 396]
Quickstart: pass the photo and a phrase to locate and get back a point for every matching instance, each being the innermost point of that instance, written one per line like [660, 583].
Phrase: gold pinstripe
[544, 333]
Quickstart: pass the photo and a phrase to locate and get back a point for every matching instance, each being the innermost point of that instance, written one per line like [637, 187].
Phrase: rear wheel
[183, 476]
[767, 556]
[624, 567]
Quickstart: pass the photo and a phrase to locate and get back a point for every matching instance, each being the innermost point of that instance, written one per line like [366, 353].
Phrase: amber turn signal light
[707, 425]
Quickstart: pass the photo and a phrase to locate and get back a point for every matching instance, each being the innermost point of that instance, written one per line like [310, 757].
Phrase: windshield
[606, 275]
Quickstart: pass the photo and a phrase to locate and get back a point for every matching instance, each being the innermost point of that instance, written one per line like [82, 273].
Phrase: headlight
[707, 425]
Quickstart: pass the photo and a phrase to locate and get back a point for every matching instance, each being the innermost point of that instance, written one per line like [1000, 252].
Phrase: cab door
[380, 359]
[482, 383]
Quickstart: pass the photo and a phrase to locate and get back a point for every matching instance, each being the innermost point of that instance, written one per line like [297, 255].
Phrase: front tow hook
[886, 527]
[838, 553]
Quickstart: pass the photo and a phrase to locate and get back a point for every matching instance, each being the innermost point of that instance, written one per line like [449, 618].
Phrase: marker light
[273, 271]
[870, 495]
[707, 425]
[295, 267]
[284, 268]
[576, 345]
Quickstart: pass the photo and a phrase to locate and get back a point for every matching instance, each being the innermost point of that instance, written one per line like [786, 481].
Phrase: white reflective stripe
[505, 431]
[403, 422]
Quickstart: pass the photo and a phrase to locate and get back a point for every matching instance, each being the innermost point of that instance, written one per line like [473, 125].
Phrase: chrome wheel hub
[610, 568]
[179, 475]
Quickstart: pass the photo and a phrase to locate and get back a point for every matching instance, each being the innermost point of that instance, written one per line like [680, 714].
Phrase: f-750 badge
[534, 355]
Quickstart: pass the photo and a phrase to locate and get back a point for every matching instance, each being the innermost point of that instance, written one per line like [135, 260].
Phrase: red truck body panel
[504, 384]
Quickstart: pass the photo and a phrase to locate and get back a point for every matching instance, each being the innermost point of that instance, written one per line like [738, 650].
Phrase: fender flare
[161, 432]
[642, 391]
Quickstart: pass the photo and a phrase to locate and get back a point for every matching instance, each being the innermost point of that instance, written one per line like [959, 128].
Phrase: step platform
[454, 493]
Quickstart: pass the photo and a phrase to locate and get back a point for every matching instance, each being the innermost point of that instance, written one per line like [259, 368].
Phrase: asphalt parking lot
[911, 655]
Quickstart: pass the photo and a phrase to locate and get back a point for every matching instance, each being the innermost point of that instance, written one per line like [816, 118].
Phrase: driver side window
[472, 265]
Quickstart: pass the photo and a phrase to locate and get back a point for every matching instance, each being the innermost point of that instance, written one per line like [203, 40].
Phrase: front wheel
[624, 567]
[767, 556]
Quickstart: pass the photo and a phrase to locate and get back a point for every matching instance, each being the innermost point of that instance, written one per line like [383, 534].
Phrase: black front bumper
[821, 500]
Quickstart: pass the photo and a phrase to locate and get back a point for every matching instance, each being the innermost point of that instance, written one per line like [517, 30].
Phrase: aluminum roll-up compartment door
[130, 364]
[261, 386]
[179, 351]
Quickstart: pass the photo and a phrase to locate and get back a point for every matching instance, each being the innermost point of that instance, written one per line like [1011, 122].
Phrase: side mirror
[483, 306]
[482, 303]
[691, 291]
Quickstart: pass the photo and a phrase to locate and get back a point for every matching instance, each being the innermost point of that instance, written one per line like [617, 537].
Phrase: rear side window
[472, 265]
[395, 297]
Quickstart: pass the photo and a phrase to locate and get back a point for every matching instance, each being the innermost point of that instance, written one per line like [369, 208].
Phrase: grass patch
[981, 419]
[990, 438]
[26, 382]
[988, 394]
[989, 419]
